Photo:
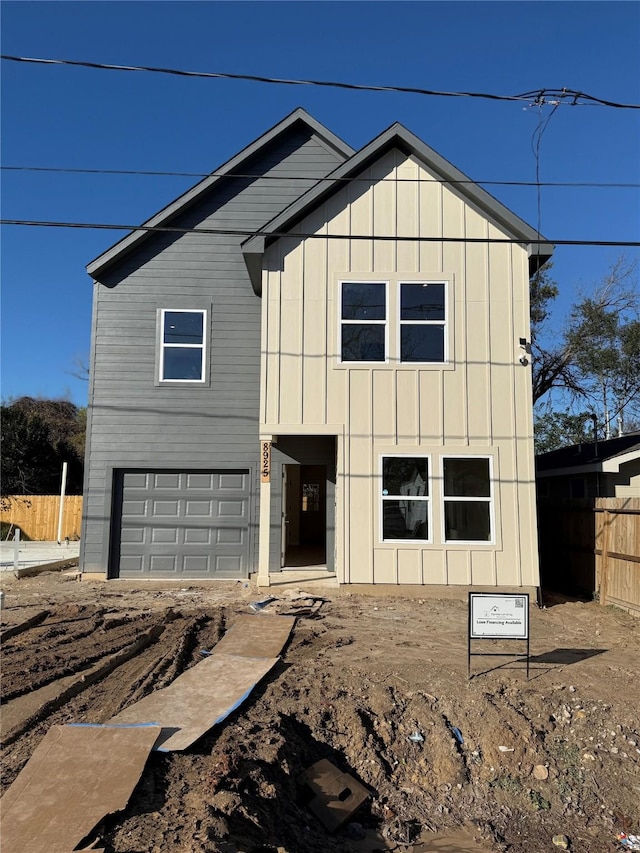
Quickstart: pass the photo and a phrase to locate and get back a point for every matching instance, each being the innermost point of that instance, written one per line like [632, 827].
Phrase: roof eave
[539, 251]
[179, 205]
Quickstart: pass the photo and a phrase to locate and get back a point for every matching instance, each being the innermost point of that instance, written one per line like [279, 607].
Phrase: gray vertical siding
[134, 421]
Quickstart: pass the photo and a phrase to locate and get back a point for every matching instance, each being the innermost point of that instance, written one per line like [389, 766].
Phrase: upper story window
[182, 345]
[394, 321]
[422, 321]
[363, 321]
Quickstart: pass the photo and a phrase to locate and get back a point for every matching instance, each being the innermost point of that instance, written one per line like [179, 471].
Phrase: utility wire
[243, 232]
[570, 97]
[317, 179]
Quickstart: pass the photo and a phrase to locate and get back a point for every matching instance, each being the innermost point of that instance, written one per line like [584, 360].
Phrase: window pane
[183, 327]
[421, 343]
[467, 521]
[405, 475]
[182, 363]
[466, 478]
[422, 302]
[364, 301]
[404, 520]
[362, 342]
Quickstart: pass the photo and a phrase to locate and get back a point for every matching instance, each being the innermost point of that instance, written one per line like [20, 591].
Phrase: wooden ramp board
[258, 636]
[76, 776]
[198, 699]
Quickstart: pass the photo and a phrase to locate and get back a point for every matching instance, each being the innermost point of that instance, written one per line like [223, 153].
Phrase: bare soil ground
[556, 754]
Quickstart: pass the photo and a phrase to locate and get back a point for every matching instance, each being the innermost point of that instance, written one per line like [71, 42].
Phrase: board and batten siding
[134, 421]
[479, 403]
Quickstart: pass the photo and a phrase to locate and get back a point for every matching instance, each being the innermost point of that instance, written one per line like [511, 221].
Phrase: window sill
[389, 365]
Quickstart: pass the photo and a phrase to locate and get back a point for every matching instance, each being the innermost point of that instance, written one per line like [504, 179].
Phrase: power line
[564, 96]
[243, 232]
[161, 174]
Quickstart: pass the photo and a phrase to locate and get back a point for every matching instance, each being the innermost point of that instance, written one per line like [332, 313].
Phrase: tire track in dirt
[30, 663]
[147, 661]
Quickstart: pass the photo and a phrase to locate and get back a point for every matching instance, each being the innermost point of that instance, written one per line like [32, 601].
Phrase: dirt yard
[558, 754]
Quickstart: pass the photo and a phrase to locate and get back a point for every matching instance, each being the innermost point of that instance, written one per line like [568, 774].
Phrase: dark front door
[304, 517]
[313, 504]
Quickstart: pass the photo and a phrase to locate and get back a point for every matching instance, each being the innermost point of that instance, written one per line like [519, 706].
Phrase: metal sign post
[497, 616]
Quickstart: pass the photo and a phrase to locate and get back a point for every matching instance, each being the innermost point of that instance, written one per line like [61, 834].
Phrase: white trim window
[182, 345]
[406, 505]
[363, 321]
[423, 322]
[467, 494]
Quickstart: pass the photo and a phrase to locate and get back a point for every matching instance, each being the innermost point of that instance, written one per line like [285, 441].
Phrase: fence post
[62, 492]
[604, 576]
[16, 549]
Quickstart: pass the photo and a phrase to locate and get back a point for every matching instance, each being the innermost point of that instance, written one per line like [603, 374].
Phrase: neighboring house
[365, 332]
[608, 469]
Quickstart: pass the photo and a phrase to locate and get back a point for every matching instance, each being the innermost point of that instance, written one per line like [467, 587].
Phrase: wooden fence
[592, 547]
[37, 516]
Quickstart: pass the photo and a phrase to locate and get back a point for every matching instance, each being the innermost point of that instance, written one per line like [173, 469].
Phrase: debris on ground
[350, 688]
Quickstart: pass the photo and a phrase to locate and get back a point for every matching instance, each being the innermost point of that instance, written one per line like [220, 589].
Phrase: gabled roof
[396, 136]
[179, 205]
[580, 458]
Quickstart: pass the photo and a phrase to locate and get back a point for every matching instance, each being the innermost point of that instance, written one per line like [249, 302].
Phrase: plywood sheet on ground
[259, 636]
[76, 776]
[198, 699]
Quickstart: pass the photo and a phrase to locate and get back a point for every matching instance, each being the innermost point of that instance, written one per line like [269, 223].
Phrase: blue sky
[81, 118]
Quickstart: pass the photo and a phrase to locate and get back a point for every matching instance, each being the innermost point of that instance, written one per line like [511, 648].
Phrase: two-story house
[325, 365]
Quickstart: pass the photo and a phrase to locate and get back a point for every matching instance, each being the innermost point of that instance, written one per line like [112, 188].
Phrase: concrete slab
[36, 553]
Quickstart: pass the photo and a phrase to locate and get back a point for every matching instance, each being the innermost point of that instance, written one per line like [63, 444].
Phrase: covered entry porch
[298, 508]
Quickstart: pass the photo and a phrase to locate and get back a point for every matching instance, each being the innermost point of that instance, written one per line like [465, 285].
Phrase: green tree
[38, 435]
[594, 362]
[561, 429]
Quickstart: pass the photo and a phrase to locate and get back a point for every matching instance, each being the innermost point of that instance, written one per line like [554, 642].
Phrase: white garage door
[193, 524]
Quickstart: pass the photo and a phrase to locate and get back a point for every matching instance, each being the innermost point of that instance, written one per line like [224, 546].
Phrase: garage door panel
[201, 481]
[166, 509]
[133, 508]
[163, 563]
[197, 535]
[234, 482]
[231, 509]
[133, 535]
[137, 480]
[195, 509]
[131, 564]
[162, 535]
[229, 566]
[166, 481]
[230, 535]
[190, 523]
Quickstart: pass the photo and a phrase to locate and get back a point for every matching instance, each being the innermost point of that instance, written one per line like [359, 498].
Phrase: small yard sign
[498, 616]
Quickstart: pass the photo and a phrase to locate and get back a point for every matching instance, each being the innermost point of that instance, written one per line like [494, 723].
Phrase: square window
[422, 301]
[363, 321]
[361, 342]
[405, 498]
[467, 521]
[421, 343]
[182, 346]
[364, 301]
[467, 497]
[466, 477]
